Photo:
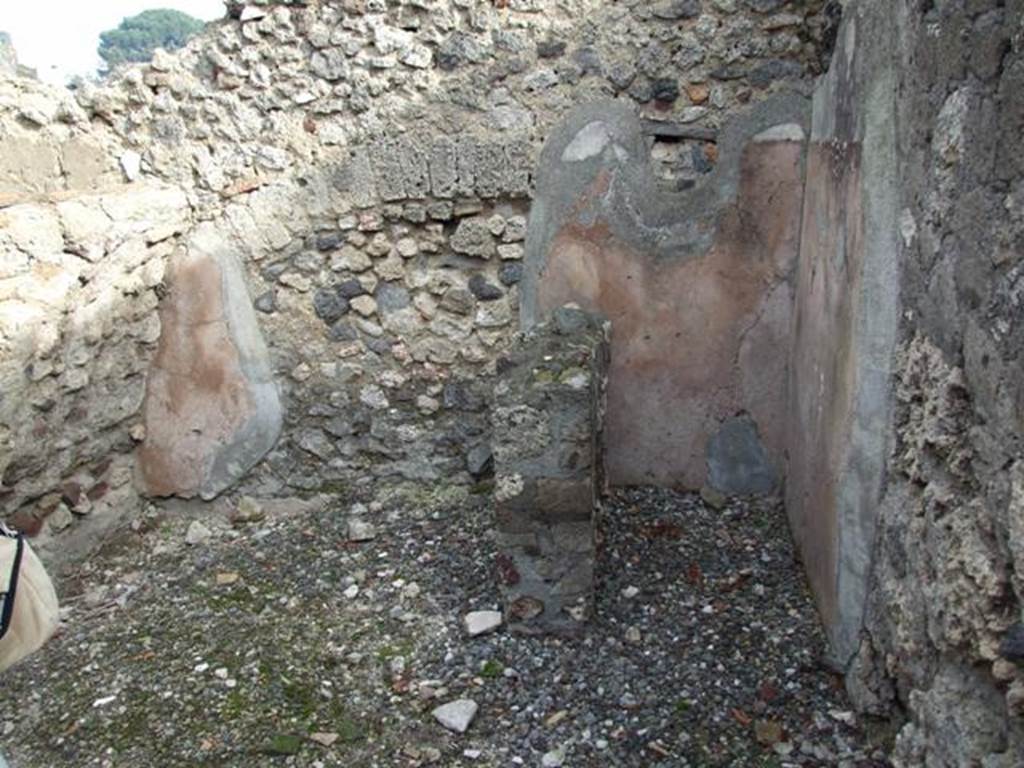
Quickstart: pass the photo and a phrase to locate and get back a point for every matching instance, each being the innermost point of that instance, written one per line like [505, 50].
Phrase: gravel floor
[282, 643]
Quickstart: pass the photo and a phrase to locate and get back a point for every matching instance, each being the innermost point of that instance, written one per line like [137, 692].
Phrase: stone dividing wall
[370, 164]
[906, 397]
[548, 421]
[698, 285]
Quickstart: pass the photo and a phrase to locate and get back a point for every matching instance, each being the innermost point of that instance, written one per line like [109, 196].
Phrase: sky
[59, 37]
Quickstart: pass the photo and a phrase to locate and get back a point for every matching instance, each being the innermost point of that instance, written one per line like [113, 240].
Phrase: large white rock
[359, 530]
[197, 534]
[479, 622]
[456, 715]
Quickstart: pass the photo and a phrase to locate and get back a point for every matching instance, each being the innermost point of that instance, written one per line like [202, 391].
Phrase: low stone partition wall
[548, 418]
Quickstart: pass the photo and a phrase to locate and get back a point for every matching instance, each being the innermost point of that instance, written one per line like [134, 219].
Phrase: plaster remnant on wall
[689, 277]
[590, 141]
[212, 408]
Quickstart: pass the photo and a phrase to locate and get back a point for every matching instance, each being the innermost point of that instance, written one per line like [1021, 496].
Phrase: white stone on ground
[479, 622]
[553, 759]
[197, 533]
[360, 531]
[456, 715]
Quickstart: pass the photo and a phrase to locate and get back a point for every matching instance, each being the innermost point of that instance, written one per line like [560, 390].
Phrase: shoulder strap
[12, 589]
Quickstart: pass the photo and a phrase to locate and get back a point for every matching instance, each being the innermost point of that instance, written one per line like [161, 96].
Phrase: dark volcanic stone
[328, 241]
[266, 302]
[479, 460]
[589, 60]
[729, 72]
[459, 396]
[775, 69]
[1012, 646]
[273, 271]
[350, 289]
[665, 89]
[510, 274]
[484, 290]
[391, 297]
[342, 331]
[329, 305]
[379, 345]
[673, 10]
[550, 49]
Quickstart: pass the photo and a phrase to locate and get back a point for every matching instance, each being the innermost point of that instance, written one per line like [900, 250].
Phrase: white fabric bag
[29, 612]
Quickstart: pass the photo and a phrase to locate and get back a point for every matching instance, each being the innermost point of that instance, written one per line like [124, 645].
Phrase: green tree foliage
[138, 36]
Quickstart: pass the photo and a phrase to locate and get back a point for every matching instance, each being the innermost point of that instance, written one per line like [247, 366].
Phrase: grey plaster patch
[737, 460]
[590, 141]
[259, 433]
[785, 132]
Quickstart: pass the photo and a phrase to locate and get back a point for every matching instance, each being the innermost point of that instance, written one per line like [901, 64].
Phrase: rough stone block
[547, 432]
[489, 168]
[519, 174]
[355, 178]
[465, 163]
[389, 170]
[415, 170]
[443, 173]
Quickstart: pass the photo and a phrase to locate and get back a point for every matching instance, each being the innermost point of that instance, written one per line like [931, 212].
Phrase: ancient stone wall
[948, 590]
[906, 397]
[82, 259]
[370, 165]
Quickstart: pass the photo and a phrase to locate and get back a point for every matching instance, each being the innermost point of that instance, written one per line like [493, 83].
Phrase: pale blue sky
[60, 37]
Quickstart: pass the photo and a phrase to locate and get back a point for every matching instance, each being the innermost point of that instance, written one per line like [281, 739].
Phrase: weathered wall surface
[906, 397]
[845, 323]
[49, 144]
[82, 260]
[697, 283]
[370, 165]
[950, 557]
